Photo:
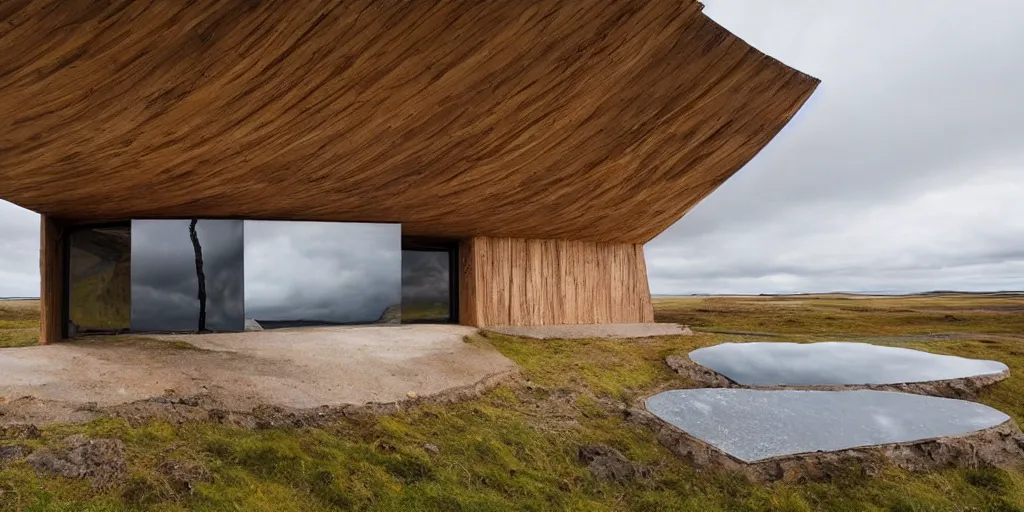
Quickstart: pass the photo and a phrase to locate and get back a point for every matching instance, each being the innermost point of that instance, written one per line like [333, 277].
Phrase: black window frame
[427, 244]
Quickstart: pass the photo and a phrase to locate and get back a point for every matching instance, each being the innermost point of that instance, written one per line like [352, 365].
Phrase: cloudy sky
[905, 171]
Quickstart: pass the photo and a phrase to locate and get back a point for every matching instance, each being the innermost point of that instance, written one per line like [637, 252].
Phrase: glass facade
[198, 275]
[187, 275]
[99, 279]
[426, 286]
[322, 273]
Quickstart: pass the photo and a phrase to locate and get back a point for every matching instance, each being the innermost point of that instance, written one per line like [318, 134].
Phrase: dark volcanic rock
[19, 431]
[607, 463]
[101, 461]
[13, 453]
[184, 475]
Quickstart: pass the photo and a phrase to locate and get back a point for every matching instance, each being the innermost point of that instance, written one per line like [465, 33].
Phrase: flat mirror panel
[322, 273]
[753, 425]
[835, 364]
[187, 275]
[426, 286]
[99, 279]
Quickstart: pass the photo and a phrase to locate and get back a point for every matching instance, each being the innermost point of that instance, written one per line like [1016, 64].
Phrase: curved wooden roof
[584, 119]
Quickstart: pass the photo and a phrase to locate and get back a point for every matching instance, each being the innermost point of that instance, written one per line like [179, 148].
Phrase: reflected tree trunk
[198, 249]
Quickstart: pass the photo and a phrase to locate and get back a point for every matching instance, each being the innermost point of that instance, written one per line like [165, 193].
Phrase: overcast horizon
[903, 173]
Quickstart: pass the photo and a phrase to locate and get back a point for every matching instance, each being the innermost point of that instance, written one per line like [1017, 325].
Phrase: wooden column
[51, 273]
[514, 281]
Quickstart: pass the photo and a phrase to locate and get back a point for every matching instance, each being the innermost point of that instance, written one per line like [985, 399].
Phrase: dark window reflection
[426, 287]
[99, 279]
[321, 273]
[187, 275]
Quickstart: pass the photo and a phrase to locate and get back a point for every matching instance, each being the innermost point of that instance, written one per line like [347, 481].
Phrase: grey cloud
[165, 287]
[904, 172]
[425, 277]
[338, 273]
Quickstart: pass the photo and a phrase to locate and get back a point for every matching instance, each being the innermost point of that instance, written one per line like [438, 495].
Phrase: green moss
[515, 447]
[19, 337]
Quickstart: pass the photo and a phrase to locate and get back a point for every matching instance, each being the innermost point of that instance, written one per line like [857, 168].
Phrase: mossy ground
[515, 447]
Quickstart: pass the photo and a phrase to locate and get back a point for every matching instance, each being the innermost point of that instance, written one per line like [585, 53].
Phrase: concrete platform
[571, 332]
[288, 368]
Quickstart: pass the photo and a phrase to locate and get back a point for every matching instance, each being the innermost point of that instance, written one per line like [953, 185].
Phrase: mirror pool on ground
[753, 425]
[834, 364]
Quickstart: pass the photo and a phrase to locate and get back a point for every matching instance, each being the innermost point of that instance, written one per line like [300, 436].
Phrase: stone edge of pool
[1000, 446]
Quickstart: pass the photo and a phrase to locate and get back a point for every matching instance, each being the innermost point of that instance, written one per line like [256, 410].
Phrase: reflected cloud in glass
[166, 281]
[322, 273]
[426, 286]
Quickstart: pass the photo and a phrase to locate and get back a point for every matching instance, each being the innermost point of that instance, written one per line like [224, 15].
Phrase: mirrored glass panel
[426, 286]
[99, 279]
[187, 275]
[752, 424]
[322, 273]
[834, 364]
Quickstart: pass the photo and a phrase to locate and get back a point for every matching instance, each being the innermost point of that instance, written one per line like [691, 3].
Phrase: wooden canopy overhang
[594, 120]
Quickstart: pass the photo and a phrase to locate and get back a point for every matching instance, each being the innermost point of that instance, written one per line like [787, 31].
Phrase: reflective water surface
[834, 363]
[752, 424]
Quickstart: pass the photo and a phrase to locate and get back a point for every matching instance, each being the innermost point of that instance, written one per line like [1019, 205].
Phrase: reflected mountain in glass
[753, 425]
[99, 280]
[834, 364]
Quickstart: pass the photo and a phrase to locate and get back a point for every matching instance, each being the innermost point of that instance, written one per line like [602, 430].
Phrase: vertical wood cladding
[51, 273]
[516, 281]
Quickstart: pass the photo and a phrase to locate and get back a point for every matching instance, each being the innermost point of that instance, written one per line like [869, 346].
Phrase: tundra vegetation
[528, 444]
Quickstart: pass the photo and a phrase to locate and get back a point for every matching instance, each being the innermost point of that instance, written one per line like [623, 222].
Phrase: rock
[20, 431]
[432, 448]
[412, 395]
[391, 315]
[252, 325]
[183, 475]
[607, 463]
[686, 331]
[13, 453]
[101, 461]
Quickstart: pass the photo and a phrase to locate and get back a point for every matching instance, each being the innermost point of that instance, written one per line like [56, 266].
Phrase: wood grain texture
[51, 290]
[600, 120]
[509, 281]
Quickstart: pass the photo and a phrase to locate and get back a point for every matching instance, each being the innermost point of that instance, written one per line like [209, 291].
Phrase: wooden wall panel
[601, 120]
[51, 273]
[515, 281]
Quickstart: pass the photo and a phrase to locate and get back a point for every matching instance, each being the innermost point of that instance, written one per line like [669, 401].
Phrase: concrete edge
[584, 331]
[204, 408]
